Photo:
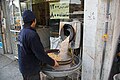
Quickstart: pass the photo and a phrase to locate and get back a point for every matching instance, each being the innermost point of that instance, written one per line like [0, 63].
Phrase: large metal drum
[64, 70]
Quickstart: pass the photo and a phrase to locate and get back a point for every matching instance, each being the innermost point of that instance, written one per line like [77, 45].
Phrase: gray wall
[93, 44]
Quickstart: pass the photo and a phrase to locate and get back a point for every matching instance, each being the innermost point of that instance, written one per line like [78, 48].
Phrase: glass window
[25, 4]
[15, 15]
[64, 10]
[41, 8]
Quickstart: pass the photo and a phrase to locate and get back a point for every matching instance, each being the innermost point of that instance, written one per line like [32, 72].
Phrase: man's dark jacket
[31, 52]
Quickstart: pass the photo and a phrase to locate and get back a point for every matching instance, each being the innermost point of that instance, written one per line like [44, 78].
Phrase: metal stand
[74, 76]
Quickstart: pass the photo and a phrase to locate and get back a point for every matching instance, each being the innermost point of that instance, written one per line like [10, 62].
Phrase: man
[31, 53]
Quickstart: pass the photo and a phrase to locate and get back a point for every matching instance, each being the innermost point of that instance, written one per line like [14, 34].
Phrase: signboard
[59, 10]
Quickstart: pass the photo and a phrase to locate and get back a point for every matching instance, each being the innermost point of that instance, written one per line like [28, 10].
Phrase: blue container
[1, 45]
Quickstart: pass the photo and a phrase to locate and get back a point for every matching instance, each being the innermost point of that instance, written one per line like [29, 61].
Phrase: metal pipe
[2, 31]
[7, 31]
[3, 46]
[105, 42]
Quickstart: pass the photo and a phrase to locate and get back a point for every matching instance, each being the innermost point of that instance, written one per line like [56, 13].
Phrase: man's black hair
[29, 23]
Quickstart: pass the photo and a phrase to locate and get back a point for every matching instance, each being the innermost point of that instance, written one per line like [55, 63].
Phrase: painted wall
[90, 22]
[93, 44]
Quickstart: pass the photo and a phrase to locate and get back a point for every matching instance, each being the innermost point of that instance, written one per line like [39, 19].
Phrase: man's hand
[56, 64]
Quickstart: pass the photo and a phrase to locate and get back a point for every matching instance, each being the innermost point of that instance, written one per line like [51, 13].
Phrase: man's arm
[38, 50]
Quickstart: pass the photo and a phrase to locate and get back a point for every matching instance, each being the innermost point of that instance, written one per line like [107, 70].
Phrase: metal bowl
[63, 71]
[62, 62]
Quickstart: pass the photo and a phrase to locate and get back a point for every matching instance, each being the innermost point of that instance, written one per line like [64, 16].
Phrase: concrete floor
[9, 69]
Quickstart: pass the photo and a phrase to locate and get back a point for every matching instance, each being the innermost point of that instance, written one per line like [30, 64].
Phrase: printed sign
[59, 10]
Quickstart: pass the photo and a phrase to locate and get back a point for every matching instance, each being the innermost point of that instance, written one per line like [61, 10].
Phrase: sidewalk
[9, 69]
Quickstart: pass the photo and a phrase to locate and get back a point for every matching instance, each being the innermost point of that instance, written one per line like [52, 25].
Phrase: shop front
[59, 23]
[51, 15]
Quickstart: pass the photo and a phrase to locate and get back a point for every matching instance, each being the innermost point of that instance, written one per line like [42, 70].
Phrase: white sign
[59, 10]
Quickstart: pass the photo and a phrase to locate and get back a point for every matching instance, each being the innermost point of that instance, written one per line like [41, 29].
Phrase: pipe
[3, 46]
[105, 42]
